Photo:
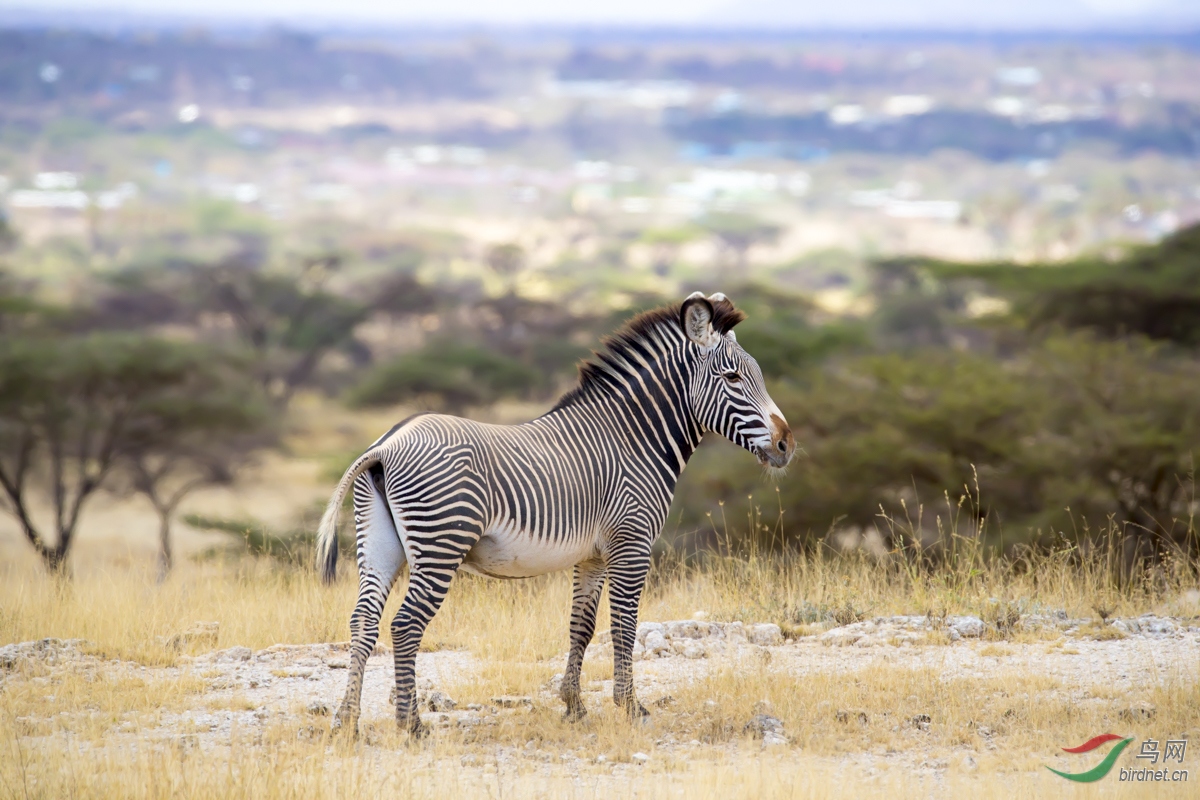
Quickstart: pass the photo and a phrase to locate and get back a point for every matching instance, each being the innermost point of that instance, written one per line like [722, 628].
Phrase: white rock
[234, 654]
[765, 633]
[656, 644]
[841, 637]
[694, 650]
[966, 627]
[440, 701]
[761, 726]
[735, 631]
[1158, 627]
[686, 629]
[644, 628]
[639, 758]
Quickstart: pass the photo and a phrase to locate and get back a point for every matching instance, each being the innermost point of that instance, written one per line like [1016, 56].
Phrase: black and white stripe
[586, 486]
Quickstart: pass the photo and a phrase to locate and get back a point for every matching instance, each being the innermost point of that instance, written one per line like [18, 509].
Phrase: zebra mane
[646, 331]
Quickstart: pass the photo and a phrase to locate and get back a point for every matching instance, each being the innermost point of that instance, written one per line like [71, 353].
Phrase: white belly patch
[503, 552]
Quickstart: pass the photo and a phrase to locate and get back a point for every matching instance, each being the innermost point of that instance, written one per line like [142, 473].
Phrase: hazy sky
[887, 13]
[505, 11]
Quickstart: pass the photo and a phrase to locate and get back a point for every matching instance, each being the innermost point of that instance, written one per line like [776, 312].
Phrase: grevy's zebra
[587, 485]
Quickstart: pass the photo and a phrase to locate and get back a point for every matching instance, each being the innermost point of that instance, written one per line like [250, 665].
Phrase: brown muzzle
[783, 444]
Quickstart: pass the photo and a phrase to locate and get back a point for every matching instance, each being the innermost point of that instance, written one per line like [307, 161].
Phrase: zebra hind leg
[585, 598]
[380, 556]
[428, 584]
[626, 578]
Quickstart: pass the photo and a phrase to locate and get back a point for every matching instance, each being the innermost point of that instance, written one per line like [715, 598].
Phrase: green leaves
[1075, 411]
[1153, 290]
[74, 411]
[450, 374]
[1104, 428]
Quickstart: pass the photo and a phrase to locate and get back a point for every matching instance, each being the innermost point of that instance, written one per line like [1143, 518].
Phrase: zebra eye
[732, 377]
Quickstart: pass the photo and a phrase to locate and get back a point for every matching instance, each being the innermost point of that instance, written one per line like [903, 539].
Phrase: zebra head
[727, 391]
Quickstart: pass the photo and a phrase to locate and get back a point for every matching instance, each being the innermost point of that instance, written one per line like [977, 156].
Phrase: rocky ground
[244, 691]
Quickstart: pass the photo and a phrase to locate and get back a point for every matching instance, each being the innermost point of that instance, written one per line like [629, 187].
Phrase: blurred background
[239, 241]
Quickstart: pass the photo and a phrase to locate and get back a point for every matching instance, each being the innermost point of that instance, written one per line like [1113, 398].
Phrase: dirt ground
[680, 666]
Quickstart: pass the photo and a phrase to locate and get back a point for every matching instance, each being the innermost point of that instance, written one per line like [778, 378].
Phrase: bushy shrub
[447, 375]
[1071, 433]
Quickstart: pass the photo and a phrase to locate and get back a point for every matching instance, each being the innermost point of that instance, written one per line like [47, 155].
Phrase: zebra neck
[643, 412]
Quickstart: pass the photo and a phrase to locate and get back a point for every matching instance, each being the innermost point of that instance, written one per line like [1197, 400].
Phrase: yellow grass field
[115, 723]
[136, 710]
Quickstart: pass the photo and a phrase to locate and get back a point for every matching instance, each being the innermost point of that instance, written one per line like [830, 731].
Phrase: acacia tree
[69, 411]
[1150, 290]
[666, 244]
[737, 233]
[193, 433]
[288, 323]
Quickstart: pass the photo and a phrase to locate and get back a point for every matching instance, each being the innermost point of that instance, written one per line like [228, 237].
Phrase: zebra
[587, 485]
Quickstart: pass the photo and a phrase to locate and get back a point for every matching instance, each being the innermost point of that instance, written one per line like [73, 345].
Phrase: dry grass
[86, 703]
[985, 737]
[298, 769]
[122, 612]
[1031, 713]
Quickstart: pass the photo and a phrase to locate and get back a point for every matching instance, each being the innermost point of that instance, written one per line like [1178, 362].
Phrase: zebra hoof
[417, 730]
[344, 725]
[638, 714]
[575, 712]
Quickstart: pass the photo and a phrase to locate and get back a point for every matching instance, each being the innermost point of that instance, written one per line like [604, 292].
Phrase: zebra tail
[327, 544]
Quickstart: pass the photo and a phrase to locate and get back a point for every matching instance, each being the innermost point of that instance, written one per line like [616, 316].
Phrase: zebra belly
[508, 553]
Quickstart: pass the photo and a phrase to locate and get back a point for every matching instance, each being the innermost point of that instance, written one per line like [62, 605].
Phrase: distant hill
[1011, 15]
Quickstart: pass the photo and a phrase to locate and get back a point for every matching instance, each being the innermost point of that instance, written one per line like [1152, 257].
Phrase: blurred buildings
[971, 146]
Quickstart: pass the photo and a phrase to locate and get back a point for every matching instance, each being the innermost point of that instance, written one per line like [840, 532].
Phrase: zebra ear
[696, 316]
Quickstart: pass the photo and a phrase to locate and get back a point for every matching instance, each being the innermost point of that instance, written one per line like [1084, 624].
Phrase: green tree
[1151, 290]
[448, 374]
[784, 334]
[1058, 439]
[290, 323]
[506, 260]
[8, 235]
[737, 233]
[71, 409]
[666, 244]
[191, 433]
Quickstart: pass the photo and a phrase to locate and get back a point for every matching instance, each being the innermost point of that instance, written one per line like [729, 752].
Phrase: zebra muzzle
[783, 444]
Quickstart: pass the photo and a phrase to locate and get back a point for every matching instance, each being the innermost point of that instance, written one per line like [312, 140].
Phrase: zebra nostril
[782, 445]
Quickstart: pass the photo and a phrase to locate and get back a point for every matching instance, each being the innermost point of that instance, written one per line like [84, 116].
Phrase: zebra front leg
[627, 571]
[585, 598]
[380, 556]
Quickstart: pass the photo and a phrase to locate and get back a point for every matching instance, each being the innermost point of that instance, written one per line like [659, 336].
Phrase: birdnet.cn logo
[1173, 751]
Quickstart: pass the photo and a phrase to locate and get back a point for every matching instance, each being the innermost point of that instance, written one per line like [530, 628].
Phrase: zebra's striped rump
[586, 486]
